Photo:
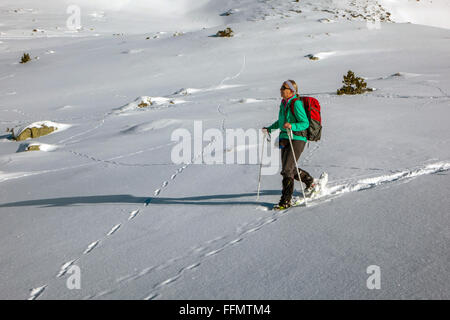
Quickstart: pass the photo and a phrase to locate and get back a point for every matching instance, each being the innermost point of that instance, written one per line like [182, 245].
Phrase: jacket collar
[289, 99]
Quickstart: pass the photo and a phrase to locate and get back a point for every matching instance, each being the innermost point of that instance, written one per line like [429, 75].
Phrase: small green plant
[25, 58]
[225, 33]
[353, 85]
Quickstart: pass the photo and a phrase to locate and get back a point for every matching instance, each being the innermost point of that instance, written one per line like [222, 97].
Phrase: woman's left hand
[287, 125]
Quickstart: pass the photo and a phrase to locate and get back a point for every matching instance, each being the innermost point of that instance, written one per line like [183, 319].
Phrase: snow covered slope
[108, 198]
[427, 12]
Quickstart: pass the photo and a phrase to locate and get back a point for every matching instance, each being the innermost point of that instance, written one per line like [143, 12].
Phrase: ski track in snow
[210, 249]
[213, 247]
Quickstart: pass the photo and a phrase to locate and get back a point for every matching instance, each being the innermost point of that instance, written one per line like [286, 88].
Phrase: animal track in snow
[151, 296]
[125, 278]
[110, 160]
[143, 273]
[164, 265]
[189, 91]
[64, 268]
[91, 247]
[211, 253]
[114, 229]
[249, 228]
[166, 282]
[192, 266]
[133, 214]
[36, 292]
[232, 242]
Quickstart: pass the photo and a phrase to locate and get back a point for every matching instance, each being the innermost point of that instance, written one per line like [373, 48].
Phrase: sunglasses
[285, 88]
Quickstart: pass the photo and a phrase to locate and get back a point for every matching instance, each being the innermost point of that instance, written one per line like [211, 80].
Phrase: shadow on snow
[209, 200]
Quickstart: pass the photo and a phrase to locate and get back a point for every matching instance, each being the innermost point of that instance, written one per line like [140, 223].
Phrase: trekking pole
[260, 165]
[296, 165]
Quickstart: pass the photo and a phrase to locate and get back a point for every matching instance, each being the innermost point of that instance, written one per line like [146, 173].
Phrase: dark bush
[353, 85]
[25, 58]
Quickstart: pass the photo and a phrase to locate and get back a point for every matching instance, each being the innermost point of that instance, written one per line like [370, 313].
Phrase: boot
[286, 193]
[307, 179]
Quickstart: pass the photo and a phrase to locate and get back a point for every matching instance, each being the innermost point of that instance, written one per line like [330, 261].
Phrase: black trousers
[288, 169]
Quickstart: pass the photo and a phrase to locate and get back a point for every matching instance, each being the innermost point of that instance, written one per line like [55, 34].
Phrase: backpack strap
[292, 106]
[302, 133]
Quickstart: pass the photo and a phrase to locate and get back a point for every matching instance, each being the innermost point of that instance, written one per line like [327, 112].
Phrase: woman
[298, 123]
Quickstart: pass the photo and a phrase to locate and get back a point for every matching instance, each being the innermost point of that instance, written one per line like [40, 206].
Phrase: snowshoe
[314, 191]
[279, 207]
[317, 186]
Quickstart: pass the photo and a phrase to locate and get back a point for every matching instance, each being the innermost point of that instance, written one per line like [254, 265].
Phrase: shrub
[25, 58]
[312, 57]
[353, 85]
[225, 33]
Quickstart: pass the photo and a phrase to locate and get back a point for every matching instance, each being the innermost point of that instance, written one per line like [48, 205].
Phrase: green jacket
[303, 123]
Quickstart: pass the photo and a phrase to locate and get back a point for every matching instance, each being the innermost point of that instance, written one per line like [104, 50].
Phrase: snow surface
[109, 200]
[427, 12]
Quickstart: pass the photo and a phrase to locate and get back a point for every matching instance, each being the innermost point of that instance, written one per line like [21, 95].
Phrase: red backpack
[312, 110]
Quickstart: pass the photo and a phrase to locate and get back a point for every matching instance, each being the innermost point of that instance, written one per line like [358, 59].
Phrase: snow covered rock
[146, 102]
[38, 129]
[40, 147]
